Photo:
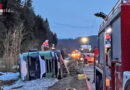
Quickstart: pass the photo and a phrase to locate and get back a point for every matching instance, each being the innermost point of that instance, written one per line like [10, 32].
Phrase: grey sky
[73, 18]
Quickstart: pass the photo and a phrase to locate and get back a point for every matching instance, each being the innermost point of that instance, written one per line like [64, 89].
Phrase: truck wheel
[127, 86]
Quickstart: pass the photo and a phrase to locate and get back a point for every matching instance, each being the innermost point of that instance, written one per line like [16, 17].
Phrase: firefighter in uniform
[45, 46]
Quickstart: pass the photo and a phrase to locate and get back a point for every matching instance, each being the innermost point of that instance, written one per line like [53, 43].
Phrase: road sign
[86, 46]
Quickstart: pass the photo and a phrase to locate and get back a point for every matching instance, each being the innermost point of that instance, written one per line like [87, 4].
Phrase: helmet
[46, 43]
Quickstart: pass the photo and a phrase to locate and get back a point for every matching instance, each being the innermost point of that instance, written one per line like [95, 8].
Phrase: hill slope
[72, 44]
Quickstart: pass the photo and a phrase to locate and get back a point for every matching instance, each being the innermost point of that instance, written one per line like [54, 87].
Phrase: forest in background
[20, 31]
[71, 44]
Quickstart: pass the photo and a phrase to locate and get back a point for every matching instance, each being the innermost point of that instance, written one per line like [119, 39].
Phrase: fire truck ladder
[114, 9]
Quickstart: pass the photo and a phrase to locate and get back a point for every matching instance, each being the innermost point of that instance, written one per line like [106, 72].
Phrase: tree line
[21, 30]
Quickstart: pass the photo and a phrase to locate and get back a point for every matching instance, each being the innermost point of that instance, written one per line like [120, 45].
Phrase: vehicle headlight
[81, 59]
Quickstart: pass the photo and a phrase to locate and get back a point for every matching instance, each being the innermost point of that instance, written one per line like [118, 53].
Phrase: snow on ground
[1, 73]
[39, 84]
[9, 76]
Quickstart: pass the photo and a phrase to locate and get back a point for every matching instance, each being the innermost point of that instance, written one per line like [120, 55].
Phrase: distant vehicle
[89, 58]
[112, 67]
[75, 54]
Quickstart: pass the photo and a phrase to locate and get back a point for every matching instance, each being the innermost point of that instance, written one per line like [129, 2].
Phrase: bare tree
[12, 45]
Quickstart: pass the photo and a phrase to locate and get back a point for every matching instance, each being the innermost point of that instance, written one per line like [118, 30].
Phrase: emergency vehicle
[112, 68]
[75, 54]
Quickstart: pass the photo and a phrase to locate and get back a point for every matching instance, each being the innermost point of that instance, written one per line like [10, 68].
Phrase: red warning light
[108, 37]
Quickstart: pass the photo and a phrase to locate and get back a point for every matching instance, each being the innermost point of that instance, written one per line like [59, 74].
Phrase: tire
[127, 86]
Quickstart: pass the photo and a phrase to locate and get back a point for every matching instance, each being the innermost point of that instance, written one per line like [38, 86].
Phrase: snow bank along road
[39, 84]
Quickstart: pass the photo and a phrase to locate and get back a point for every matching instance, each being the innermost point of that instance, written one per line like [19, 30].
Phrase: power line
[70, 26]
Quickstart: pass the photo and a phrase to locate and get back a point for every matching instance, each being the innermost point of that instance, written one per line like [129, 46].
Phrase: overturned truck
[38, 64]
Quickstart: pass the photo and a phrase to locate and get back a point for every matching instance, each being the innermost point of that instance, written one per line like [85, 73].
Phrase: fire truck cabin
[114, 49]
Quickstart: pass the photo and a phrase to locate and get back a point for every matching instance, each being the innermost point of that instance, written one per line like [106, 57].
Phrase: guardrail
[114, 9]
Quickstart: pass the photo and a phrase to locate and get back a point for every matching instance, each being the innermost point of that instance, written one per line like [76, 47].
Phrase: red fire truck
[112, 68]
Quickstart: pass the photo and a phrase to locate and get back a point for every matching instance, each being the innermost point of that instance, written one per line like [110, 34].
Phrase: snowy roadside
[9, 76]
[39, 84]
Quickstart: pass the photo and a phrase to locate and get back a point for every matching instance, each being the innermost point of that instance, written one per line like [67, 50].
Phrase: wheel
[127, 86]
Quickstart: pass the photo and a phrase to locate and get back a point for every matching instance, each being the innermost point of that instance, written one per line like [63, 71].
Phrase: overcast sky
[73, 18]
